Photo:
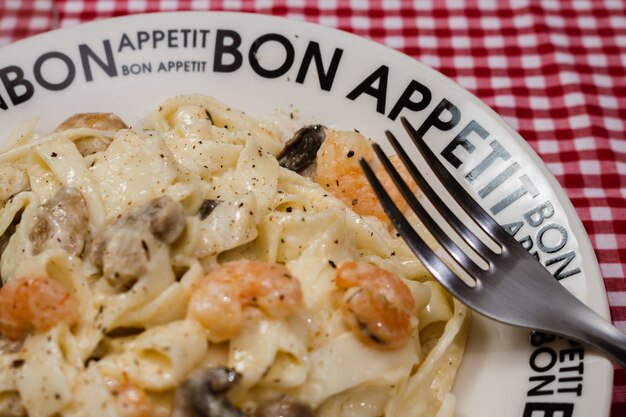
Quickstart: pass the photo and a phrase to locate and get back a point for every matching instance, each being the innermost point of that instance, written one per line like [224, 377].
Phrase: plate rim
[583, 240]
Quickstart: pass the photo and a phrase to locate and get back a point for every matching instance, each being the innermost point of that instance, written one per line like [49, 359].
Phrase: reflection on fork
[510, 286]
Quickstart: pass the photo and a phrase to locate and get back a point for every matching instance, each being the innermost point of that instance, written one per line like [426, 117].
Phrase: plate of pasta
[185, 231]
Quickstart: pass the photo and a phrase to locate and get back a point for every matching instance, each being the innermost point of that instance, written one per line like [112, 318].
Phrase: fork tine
[434, 264]
[439, 205]
[462, 197]
[431, 225]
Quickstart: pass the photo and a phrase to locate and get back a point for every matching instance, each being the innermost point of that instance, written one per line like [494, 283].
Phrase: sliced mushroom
[102, 121]
[284, 407]
[203, 394]
[61, 222]
[167, 220]
[122, 248]
[301, 150]
[125, 258]
[13, 179]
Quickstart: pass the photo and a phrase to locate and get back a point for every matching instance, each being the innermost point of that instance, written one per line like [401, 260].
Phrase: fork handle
[590, 328]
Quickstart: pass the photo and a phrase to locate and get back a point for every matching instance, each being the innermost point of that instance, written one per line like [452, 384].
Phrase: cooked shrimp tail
[219, 301]
[339, 172]
[32, 304]
[378, 307]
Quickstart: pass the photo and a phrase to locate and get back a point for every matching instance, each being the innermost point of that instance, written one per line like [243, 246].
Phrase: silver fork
[515, 288]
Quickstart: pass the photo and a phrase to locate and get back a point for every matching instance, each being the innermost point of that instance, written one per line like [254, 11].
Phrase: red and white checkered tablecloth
[555, 70]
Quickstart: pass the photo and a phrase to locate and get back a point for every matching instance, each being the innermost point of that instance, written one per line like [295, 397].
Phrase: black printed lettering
[326, 77]
[290, 54]
[379, 77]
[543, 381]
[579, 369]
[185, 33]
[548, 410]
[566, 258]
[571, 354]
[551, 247]
[527, 187]
[462, 139]
[498, 153]
[222, 47]
[526, 242]
[142, 37]
[576, 389]
[157, 36]
[172, 38]
[48, 85]
[537, 363]
[513, 228]
[435, 118]
[499, 179]
[12, 78]
[125, 42]
[571, 379]
[534, 217]
[107, 65]
[405, 101]
[204, 33]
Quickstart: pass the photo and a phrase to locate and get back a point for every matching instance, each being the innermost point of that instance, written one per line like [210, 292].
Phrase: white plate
[259, 63]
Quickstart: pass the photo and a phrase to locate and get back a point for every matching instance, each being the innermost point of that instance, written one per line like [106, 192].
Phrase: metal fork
[515, 288]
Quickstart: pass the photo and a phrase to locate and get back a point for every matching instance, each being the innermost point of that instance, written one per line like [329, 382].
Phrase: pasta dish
[198, 265]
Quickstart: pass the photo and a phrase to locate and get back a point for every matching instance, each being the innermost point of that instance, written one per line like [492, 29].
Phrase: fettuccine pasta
[198, 266]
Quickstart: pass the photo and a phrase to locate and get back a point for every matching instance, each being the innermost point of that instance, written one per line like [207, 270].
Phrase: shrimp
[61, 222]
[131, 400]
[378, 307]
[219, 301]
[32, 304]
[338, 171]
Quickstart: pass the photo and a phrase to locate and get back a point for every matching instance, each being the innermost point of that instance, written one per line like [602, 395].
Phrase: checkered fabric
[555, 70]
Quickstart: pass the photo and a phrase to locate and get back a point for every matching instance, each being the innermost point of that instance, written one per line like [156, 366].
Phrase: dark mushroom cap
[203, 394]
[301, 150]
